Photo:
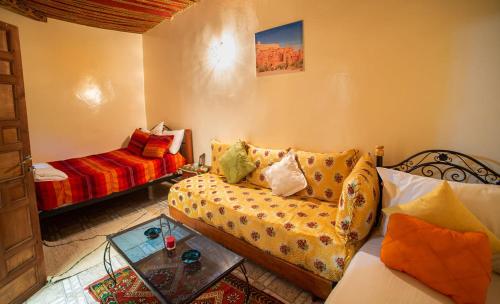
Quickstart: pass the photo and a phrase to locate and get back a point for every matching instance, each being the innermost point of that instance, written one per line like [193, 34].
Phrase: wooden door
[21, 258]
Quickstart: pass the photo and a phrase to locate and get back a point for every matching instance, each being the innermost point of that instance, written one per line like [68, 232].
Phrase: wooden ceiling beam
[20, 7]
[136, 16]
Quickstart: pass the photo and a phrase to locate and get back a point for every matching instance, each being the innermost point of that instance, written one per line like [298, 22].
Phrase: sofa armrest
[358, 201]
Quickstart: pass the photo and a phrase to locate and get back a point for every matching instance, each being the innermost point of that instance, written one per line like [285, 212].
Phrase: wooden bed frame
[186, 151]
[442, 164]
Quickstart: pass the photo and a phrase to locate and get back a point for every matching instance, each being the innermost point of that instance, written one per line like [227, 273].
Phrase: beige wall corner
[84, 86]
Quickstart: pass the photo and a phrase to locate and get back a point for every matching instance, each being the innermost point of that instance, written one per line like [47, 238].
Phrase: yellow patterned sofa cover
[299, 230]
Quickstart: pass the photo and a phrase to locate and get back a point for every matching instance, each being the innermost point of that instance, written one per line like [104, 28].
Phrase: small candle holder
[170, 242]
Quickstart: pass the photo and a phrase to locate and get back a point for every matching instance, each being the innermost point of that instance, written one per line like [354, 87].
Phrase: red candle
[170, 241]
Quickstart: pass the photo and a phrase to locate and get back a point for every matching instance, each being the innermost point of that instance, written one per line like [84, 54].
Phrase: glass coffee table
[162, 271]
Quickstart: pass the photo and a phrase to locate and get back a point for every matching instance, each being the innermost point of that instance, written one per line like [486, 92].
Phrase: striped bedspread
[99, 175]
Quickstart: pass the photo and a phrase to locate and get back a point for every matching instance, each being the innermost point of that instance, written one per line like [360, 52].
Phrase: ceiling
[136, 16]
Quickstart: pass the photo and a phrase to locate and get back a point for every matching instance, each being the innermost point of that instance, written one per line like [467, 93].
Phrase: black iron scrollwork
[448, 165]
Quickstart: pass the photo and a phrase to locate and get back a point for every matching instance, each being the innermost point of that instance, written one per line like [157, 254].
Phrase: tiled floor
[72, 289]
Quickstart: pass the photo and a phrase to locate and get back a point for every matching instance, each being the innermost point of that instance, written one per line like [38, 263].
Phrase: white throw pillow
[285, 177]
[158, 129]
[481, 199]
[177, 142]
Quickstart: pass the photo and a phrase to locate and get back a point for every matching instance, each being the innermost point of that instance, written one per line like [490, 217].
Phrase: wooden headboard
[187, 146]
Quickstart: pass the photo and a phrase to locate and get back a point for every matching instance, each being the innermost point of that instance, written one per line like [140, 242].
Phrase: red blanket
[102, 174]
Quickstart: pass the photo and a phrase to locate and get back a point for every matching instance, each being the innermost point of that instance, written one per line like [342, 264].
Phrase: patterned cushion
[138, 141]
[262, 158]
[157, 145]
[358, 201]
[325, 173]
[453, 263]
[298, 230]
[218, 149]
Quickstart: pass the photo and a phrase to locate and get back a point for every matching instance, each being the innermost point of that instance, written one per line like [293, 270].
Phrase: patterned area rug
[131, 290]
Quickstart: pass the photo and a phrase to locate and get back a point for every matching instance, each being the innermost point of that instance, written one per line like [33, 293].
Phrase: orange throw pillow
[457, 264]
[157, 145]
[138, 141]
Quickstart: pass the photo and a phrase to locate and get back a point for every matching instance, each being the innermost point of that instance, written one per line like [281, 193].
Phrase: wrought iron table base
[108, 266]
[247, 289]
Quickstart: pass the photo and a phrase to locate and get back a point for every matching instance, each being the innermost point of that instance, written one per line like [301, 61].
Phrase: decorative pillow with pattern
[358, 201]
[218, 149]
[157, 146]
[262, 158]
[138, 141]
[325, 173]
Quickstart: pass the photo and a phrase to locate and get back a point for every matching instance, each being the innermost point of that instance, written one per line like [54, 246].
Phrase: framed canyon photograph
[280, 49]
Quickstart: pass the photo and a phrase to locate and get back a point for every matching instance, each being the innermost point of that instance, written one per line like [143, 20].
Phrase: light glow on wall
[93, 93]
[222, 52]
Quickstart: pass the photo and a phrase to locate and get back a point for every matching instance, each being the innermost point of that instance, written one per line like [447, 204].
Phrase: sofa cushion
[262, 158]
[235, 163]
[325, 173]
[358, 201]
[285, 177]
[298, 230]
[218, 149]
[457, 264]
[442, 207]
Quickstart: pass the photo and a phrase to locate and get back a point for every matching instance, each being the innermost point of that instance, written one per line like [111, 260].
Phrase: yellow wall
[63, 64]
[407, 74]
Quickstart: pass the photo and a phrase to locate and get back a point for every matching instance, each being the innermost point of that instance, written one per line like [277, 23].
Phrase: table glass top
[166, 275]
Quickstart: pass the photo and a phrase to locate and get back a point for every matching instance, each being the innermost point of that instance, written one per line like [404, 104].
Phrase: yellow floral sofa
[318, 235]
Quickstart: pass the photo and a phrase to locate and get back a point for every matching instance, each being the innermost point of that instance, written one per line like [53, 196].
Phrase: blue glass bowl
[152, 233]
[191, 256]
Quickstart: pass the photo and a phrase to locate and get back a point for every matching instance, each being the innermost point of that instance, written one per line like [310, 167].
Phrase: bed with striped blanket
[100, 175]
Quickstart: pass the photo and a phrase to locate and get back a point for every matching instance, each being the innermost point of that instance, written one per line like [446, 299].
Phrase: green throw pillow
[235, 163]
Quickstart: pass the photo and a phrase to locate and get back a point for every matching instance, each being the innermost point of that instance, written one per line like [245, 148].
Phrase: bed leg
[150, 193]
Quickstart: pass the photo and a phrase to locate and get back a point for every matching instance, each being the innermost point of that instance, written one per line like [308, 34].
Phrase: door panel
[12, 290]
[10, 165]
[21, 257]
[15, 227]
[14, 193]
[9, 135]
[7, 108]
[4, 67]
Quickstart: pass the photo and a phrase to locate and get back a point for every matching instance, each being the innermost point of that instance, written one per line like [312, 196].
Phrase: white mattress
[368, 280]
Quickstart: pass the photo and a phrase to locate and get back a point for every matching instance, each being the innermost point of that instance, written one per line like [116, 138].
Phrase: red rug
[131, 290]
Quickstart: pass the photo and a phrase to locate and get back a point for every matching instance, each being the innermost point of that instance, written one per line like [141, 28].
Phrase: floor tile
[50, 294]
[285, 289]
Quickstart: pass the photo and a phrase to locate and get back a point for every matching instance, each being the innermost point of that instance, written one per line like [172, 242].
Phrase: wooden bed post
[151, 195]
[379, 154]
[187, 146]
